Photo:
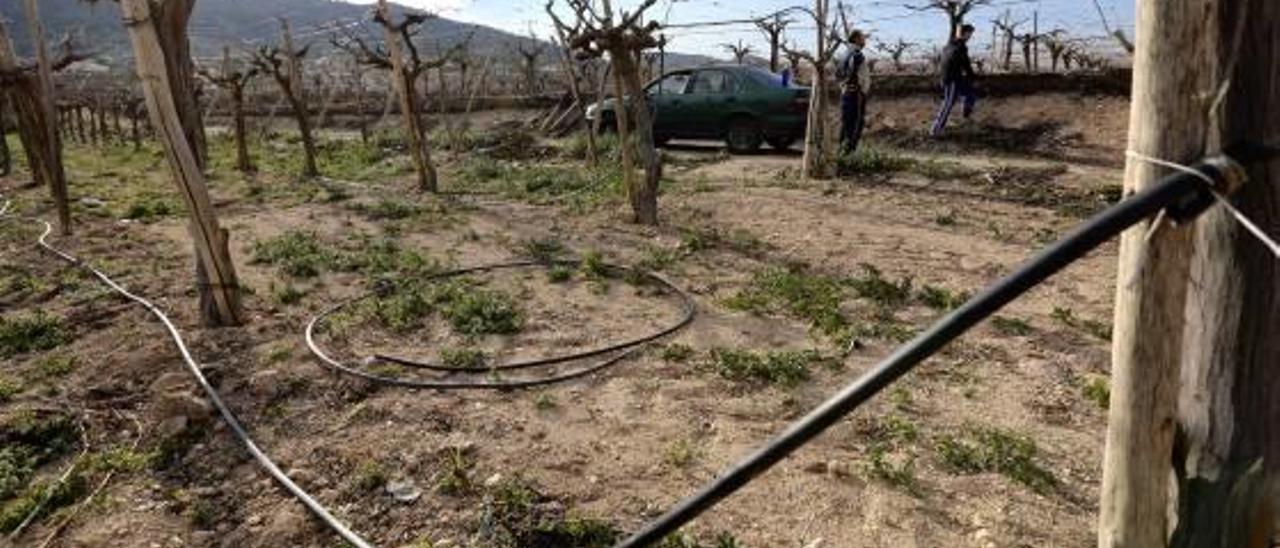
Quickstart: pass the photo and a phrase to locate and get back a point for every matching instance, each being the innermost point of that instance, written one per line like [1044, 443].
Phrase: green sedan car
[740, 105]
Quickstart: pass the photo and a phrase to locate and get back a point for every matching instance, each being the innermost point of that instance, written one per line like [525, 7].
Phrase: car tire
[661, 140]
[608, 125]
[782, 143]
[744, 136]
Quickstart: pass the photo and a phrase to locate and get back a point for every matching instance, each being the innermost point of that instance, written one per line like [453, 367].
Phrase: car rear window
[766, 78]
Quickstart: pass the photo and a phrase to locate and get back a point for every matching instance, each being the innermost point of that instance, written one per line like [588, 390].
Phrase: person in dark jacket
[957, 80]
[854, 75]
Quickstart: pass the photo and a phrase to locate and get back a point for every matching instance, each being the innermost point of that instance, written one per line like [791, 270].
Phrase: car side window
[674, 84]
[713, 82]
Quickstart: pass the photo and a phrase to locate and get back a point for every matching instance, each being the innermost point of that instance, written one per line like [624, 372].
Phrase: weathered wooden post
[1152, 289]
[1229, 403]
[1204, 79]
[216, 275]
[57, 178]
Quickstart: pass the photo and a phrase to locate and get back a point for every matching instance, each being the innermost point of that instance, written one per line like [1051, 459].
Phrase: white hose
[238, 429]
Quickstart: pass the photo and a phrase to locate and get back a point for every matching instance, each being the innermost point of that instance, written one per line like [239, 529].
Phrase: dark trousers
[954, 91]
[853, 118]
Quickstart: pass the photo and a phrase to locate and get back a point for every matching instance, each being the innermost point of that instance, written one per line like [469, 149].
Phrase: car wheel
[744, 136]
[608, 125]
[782, 143]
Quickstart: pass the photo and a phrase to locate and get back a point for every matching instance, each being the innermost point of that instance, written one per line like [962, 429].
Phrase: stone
[403, 490]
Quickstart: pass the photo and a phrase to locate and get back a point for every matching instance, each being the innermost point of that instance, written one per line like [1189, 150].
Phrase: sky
[887, 20]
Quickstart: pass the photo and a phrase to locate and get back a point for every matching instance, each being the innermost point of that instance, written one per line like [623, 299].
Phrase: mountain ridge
[244, 24]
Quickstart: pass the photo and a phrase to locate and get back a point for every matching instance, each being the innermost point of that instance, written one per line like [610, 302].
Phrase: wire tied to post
[1231, 176]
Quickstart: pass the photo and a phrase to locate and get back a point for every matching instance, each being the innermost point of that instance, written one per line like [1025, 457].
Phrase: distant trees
[773, 29]
[623, 38]
[530, 52]
[955, 10]
[896, 51]
[739, 51]
[284, 63]
[405, 71]
[233, 81]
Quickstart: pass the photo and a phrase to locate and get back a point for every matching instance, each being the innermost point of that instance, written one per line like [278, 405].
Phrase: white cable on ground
[236, 427]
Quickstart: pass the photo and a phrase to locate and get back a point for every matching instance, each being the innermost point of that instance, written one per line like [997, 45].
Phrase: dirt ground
[995, 442]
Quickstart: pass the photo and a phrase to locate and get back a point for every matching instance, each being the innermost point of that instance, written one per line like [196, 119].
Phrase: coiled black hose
[619, 351]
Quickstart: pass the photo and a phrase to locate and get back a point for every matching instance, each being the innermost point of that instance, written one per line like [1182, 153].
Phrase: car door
[667, 96]
[712, 96]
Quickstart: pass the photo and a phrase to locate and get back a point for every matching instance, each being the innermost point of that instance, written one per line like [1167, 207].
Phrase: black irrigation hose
[1181, 195]
[619, 350]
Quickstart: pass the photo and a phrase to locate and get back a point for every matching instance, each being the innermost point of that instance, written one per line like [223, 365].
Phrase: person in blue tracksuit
[957, 80]
[854, 75]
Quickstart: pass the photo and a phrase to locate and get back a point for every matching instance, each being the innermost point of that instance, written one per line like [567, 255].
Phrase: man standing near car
[957, 80]
[855, 81]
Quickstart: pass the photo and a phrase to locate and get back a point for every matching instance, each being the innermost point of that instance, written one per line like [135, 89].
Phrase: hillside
[246, 23]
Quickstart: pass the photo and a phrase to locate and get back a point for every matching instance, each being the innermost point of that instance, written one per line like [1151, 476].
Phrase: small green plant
[900, 473]
[1008, 326]
[682, 540]
[403, 309]
[677, 353]
[811, 297]
[370, 475]
[543, 250]
[872, 285]
[682, 454]
[559, 274]
[295, 253]
[575, 532]
[149, 207]
[1095, 328]
[56, 366]
[545, 402]
[872, 161]
[483, 312]
[657, 258]
[455, 476]
[993, 450]
[464, 357]
[783, 368]
[946, 219]
[941, 299]
[287, 294]
[901, 398]
[279, 354]
[387, 209]
[593, 266]
[8, 389]
[1097, 389]
[36, 332]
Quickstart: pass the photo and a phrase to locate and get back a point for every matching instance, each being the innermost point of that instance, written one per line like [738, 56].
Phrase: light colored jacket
[853, 68]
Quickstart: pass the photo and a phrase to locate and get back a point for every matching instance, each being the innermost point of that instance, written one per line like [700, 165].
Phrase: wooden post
[1229, 404]
[1166, 121]
[212, 256]
[6, 156]
[1035, 44]
[47, 101]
